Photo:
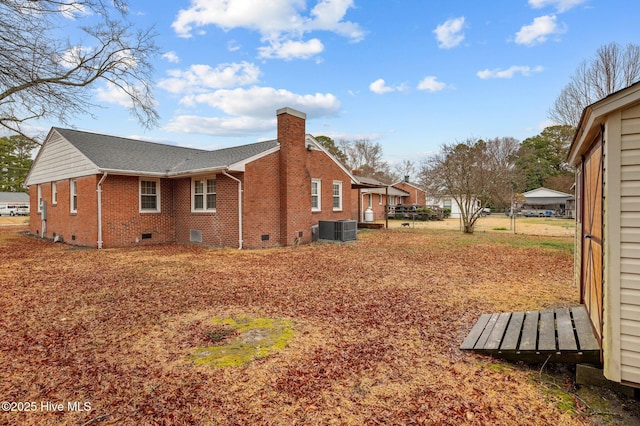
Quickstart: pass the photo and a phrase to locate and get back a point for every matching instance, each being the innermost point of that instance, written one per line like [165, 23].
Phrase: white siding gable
[58, 159]
[630, 246]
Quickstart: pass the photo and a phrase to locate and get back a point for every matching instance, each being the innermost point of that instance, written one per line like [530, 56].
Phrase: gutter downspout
[239, 208]
[99, 190]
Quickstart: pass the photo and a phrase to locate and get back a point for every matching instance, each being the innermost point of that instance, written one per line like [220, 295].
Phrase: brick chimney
[295, 181]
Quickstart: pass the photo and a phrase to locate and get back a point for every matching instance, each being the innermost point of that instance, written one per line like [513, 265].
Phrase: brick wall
[122, 222]
[295, 180]
[324, 168]
[261, 203]
[78, 228]
[416, 196]
[219, 228]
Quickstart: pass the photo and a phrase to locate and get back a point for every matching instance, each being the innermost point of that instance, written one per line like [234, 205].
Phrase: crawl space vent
[195, 236]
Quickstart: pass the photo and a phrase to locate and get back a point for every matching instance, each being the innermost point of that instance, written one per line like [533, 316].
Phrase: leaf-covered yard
[376, 329]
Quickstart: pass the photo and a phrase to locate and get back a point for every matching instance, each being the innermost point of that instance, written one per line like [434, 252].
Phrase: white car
[14, 210]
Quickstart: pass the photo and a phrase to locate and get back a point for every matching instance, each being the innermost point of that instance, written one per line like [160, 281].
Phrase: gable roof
[112, 153]
[14, 197]
[594, 115]
[404, 182]
[71, 153]
[543, 192]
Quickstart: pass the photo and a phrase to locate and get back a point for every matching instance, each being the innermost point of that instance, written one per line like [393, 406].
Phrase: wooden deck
[562, 335]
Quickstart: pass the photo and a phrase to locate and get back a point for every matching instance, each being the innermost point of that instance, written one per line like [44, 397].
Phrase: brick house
[372, 197]
[416, 195]
[105, 191]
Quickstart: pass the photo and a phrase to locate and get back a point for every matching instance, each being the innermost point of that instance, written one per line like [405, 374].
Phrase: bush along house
[104, 191]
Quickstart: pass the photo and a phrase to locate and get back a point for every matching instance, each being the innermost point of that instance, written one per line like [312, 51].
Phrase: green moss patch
[255, 338]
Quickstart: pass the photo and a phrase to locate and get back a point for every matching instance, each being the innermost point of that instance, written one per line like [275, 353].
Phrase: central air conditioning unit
[338, 230]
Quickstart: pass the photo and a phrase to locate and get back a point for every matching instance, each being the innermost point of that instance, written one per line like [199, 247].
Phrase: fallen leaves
[378, 323]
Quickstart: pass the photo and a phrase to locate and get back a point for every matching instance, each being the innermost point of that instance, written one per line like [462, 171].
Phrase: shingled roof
[122, 154]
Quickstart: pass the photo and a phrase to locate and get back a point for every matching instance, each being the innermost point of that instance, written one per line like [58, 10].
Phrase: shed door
[591, 283]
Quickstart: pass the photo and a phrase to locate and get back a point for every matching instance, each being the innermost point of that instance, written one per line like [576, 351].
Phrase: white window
[203, 194]
[337, 196]
[73, 196]
[54, 193]
[39, 198]
[315, 195]
[370, 203]
[380, 199]
[149, 195]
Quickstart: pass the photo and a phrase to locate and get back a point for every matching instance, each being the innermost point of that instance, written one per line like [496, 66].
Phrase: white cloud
[263, 101]
[539, 30]
[71, 10]
[560, 5]
[431, 84]
[278, 21]
[292, 49]
[72, 57]
[250, 110]
[328, 16]
[113, 94]
[233, 46]
[171, 57]
[379, 87]
[450, 34]
[509, 72]
[199, 78]
[219, 126]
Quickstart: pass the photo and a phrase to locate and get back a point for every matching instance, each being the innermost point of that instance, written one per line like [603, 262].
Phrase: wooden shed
[606, 153]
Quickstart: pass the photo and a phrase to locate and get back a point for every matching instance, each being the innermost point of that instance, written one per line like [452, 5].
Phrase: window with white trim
[380, 199]
[73, 196]
[39, 187]
[203, 194]
[54, 193]
[315, 195]
[149, 195]
[337, 196]
[370, 203]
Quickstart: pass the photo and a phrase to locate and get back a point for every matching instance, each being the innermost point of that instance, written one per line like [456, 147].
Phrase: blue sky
[408, 74]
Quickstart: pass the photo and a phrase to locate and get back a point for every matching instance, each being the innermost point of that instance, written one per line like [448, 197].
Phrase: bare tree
[472, 173]
[366, 156]
[406, 168]
[44, 74]
[612, 68]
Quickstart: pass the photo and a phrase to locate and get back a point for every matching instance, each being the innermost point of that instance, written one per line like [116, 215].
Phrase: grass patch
[500, 228]
[257, 338]
[559, 244]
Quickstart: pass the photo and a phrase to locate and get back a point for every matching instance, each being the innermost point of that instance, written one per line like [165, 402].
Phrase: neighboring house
[14, 203]
[448, 202]
[545, 202]
[606, 153]
[372, 198]
[105, 191]
[416, 195]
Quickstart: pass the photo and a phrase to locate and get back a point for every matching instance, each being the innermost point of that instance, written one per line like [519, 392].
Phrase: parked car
[14, 210]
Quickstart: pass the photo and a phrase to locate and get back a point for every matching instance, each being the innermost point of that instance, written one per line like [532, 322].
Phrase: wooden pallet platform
[370, 225]
[562, 335]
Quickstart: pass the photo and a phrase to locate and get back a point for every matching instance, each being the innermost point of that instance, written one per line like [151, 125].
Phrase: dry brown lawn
[501, 224]
[377, 325]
